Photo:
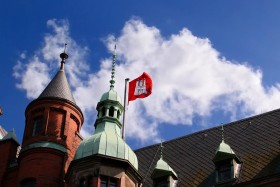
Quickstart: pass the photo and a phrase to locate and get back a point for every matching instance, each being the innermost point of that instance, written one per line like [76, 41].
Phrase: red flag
[140, 87]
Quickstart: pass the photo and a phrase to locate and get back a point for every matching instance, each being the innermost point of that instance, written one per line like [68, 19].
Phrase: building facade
[53, 153]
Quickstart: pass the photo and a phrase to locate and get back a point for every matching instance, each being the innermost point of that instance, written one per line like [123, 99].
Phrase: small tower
[227, 164]
[163, 175]
[51, 135]
[104, 159]
[8, 149]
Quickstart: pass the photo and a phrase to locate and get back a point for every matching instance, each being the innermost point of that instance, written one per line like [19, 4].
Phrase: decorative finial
[161, 150]
[222, 132]
[63, 56]
[112, 81]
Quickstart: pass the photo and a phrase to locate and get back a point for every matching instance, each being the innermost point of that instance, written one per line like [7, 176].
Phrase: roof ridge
[212, 128]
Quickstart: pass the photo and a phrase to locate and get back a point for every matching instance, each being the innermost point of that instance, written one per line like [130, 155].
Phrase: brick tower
[51, 135]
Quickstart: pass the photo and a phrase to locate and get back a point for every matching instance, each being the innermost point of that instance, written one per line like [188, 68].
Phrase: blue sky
[212, 62]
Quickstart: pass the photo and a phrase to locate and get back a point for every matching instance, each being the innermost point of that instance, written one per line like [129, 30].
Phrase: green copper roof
[10, 135]
[106, 140]
[163, 169]
[223, 152]
[225, 148]
[111, 95]
[58, 88]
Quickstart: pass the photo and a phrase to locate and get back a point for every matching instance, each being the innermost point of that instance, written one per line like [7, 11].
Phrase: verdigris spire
[161, 150]
[112, 81]
[107, 139]
[222, 132]
[224, 151]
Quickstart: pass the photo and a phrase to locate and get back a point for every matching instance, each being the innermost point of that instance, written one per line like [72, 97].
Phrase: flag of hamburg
[140, 87]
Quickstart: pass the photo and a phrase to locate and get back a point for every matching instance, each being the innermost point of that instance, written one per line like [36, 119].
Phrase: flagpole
[125, 102]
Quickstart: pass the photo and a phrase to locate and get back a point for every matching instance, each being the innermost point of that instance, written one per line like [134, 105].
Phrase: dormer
[163, 175]
[227, 165]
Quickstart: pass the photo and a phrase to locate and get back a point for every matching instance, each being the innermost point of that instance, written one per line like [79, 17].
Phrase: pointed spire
[63, 57]
[161, 150]
[59, 87]
[223, 132]
[224, 151]
[112, 81]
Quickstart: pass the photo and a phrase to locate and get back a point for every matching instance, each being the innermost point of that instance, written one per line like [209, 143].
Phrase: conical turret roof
[58, 88]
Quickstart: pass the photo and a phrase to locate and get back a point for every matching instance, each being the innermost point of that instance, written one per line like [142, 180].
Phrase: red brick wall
[10, 177]
[8, 150]
[62, 123]
[44, 165]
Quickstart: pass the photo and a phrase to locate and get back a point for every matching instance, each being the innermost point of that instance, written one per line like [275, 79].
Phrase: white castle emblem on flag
[140, 87]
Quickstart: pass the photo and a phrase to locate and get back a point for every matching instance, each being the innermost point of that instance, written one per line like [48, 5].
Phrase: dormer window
[37, 126]
[227, 170]
[224, 171]
[163, 182]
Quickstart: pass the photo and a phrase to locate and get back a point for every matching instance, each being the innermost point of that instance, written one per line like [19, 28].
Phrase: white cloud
[190, 78]
[33, 76]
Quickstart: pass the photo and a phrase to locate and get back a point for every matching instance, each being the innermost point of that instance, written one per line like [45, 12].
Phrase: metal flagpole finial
[112, 81]
[63, 56]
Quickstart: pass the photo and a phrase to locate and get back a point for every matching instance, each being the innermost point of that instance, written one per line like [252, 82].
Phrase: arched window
[86, 181]
[108, 181]
[37, 125]
[111, 111]
[82, 182]
[118, 114]
[28, 182]
[89, 181]
[103, 111]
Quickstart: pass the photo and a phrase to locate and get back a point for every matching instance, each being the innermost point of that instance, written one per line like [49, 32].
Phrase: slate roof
[3, 132]
[255, 141]
[4, 135]
[11, 135]
[58, 88]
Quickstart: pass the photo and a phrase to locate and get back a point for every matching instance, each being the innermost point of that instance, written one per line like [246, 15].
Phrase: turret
[51, 135]
[8, 149]
[104, 159]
